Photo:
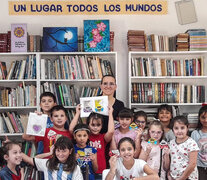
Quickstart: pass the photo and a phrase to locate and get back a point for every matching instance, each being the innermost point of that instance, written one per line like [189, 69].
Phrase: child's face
[59, 118]
[62, 154]
[164, 115]
[140, 122]
[180, 130]
[126, 151]
[95, 126]
[47, 103]
[81, 138]
[155, 132]
[14, 156]
[203, 119]
[125, 122]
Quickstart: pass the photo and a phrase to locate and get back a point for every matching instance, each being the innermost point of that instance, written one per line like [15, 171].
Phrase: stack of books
[5, 42]
[182, 43]
[136, 40]
[198, 39]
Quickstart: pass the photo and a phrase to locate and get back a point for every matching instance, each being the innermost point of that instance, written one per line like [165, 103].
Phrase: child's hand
[78, 108]
[52, 149]
[77, 156]
[38, 113]
[92, 157]
[139, 132]
[112, 162]
[166, 150]
[6, 140]
[110, 109]
[149, 148]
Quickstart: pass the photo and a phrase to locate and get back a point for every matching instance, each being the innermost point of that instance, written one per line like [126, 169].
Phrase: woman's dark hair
[128, 139]
[94, 116]
[70, 164]
[58, 108]
[180, 119]
[156, 123]
[107, 76]
[125, 113]
[202, 112]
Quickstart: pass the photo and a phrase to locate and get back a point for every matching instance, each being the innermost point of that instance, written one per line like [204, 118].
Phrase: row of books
[19, 69]
[182, 42]
[166, 93]
[68, 95]
[11, 122]
[75, 67]
[5, 42]
[146, 66]
[34, 43]
[136, 40]
[22, 95]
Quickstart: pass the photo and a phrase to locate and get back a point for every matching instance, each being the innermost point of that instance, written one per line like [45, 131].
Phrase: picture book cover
[36, 125]
[97, 104]
[96, 36]
[60, 39]
[18, 37]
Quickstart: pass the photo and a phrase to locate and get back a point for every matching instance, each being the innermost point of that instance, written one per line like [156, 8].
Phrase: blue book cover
[60, 39]
[96, 36]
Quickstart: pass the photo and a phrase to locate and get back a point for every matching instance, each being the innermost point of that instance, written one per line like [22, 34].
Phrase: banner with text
[85, 7]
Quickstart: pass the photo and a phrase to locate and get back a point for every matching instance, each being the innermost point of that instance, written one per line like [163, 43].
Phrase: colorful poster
[36, 124]
[18, 37]
[97, 104]
[60, 39]
[96, 36]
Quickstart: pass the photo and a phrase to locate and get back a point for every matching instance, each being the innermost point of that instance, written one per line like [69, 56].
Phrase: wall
[159, 24]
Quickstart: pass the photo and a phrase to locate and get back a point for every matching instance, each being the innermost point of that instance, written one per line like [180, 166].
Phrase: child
[58, 117]
[126, 167]
[151, 152]
[13, 157]
[85, 154]
[62, 165]
[200, 136]
[165, 115]
[183, 152]
[97, 140]
[125, 118]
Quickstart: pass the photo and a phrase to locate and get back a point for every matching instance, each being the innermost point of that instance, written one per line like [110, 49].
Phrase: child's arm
[93, 158]
[138, 142]
[112, 172]
[166, 159]
[27, 159]
[110, 132]
[145, 154]
[113, 144]
[75, 119]
[191, 166]
[44, 155]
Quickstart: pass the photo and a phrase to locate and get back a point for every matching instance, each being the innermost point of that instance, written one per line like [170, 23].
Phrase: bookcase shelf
[37, 80]
[143, 86]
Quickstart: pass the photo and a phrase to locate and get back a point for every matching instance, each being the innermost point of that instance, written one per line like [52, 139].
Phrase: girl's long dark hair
[70, 164]
[202, 111]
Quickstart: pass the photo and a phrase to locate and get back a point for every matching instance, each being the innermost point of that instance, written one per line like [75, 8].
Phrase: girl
[97, 140]
[126, 167]
[152, 152]
[183, 152]
[165, 114]
[85, 154]
[13, 157]
[200, 136]
[62, 165]
[125, 118]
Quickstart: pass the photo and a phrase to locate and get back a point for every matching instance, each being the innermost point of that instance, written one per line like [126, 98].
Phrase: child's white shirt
[41, 165]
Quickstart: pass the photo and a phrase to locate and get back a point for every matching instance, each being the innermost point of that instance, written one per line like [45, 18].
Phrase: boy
[58, 118]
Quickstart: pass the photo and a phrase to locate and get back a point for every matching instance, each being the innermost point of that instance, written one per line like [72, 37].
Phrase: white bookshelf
[187, 80]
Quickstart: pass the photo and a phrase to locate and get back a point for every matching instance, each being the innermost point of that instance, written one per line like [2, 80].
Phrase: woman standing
[108, 87]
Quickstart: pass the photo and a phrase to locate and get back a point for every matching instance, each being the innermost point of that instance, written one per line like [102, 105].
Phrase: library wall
[158, 24]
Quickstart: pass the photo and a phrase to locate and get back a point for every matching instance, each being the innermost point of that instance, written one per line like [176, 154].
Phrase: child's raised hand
[38, 113]
[92, 156]
[78, 108]
[52, 149]
[113, 162]
[149, 148]
[6, 140]
[110, 109]
[166, 150]
[139, 132]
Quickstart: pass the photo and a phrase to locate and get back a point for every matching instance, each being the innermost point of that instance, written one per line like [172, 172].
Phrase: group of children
[161, 150]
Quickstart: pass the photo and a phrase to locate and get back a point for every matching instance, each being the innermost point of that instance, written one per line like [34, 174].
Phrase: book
[18, 37]
[98, 104]
[60, 39]
[96, 36]
[36, 125]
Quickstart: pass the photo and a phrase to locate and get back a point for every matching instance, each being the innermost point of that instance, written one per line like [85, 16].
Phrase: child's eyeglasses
[140, 122]
[156, 132]
[111, 84]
